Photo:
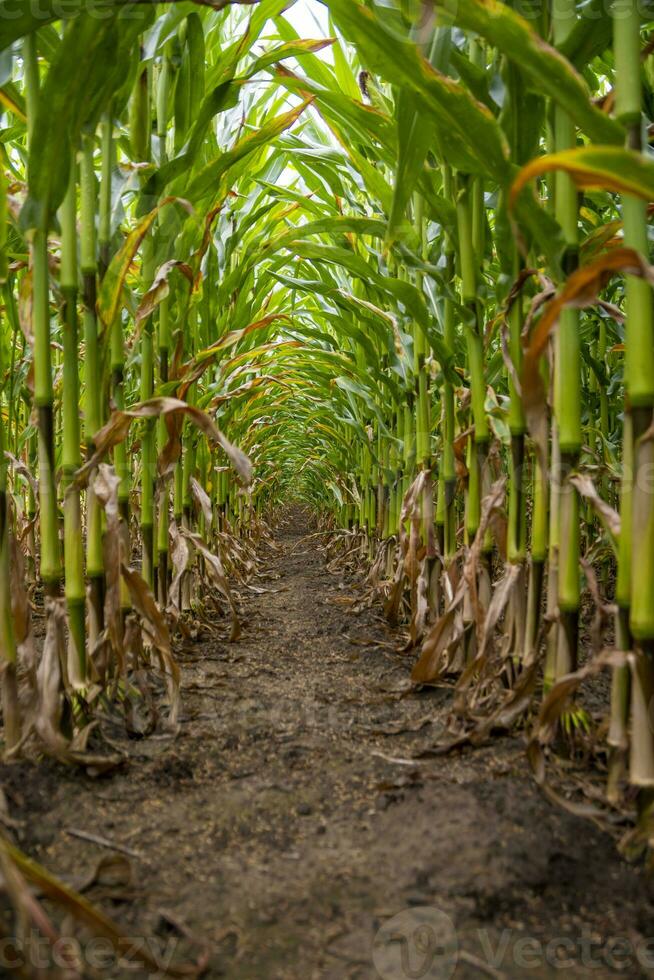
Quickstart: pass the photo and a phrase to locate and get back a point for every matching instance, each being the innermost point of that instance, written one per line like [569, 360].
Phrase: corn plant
[401, 274]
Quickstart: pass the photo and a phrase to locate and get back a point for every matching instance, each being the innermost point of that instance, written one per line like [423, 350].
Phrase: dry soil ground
[279, 831]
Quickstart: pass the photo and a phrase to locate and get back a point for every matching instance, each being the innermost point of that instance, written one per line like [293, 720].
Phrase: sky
[303, 16]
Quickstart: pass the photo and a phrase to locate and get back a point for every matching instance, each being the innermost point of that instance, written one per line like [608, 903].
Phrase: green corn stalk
[163, 347]
[139, 115]
[10, 709]
[75, 587]
[92, 402]
[474, 340]
[567, 384]
[636, 561]
[148, 444]
[51, 566]
[332, 401]
[447, 458]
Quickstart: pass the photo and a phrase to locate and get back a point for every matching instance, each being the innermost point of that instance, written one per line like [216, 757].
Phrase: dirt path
[274, 828]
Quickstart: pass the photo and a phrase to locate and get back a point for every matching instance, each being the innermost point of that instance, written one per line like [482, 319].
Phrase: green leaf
[114, 279]
[210, 176]
[415, 136]
[470, 137]
[607, 168]
[590, 36]
[224, 96]
[89, 67]
[548, 70]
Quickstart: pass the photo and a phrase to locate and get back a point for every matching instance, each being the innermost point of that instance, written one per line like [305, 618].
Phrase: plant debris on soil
[290, 817]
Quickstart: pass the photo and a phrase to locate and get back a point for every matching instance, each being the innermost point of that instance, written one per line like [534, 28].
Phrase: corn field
[394, 272]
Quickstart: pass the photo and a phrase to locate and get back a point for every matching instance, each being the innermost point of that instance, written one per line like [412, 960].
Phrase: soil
[286, 823]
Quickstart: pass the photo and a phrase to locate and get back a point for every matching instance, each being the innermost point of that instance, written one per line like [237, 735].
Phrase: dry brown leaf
[105, 487]
[49, 678]
[203, 501]
[217, 573]
[23, 868]
[160, 288]
[445, 631]
[180, 556]
[153, 622]
[116, 429]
